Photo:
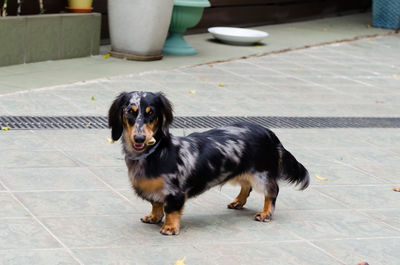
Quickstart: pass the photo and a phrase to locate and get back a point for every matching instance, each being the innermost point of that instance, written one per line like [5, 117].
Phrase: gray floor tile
[73, 140]
[24, 234]
[234, 253]
[145, 255]
[90, 158]
[72, 203]
[389, 216]
[383, 169]
[364, 197]
[36, 257]
[10, 208]
[340, 174]
[106, 231]
[373, 251]
[269, 253]
[57, 178]
[117, 177]
[25, 158]
[17, 140]
[333, 224]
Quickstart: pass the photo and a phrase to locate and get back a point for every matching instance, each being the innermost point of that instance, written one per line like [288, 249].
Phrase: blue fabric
[386, 13]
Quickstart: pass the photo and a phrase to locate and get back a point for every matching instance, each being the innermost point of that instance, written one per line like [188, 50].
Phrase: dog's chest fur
[151, 189]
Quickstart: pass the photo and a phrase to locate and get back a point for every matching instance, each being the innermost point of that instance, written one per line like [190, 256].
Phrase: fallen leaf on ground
[107, 56]
[298, 69]
[259, 46]
[192, 91]
[93, 98]
[110, 140]
[368, 25]
[221, 85]
[180, 261]
[5, 128]
[380, 102]
[210, 65]
[320, 178]
[395, 76]
[396, 189]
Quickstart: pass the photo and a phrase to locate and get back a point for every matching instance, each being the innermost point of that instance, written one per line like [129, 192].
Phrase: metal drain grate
[100, 122]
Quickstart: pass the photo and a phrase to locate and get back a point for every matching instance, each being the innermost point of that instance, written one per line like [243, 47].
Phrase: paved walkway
[65, 196]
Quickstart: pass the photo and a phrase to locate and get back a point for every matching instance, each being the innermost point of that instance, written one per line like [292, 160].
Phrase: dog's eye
[149, 111]
[131, 111]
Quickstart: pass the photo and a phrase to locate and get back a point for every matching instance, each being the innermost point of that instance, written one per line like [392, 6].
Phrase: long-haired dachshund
[167, 170]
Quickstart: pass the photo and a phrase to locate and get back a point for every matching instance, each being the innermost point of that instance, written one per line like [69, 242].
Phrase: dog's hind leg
[269, 203]
[156, 215]
[241, 199]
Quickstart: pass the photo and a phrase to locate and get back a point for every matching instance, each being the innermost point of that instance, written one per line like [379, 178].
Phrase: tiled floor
[65, 196]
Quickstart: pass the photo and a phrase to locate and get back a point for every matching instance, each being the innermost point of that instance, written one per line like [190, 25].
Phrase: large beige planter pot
[138, 28]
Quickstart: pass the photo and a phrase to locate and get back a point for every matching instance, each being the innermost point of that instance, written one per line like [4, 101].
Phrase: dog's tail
[291, 170]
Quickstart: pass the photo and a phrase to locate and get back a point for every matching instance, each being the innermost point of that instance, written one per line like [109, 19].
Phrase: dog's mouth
[138, 147]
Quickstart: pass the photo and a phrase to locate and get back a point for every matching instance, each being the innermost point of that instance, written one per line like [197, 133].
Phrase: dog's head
[140, 116]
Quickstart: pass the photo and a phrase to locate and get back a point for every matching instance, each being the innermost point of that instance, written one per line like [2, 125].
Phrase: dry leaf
[6, 128]
[320, 178]
[380, 102]
[298, 69]
[110, 140]
[210, 65]
[368, 26]
[395, 76]
[221, 85]
[107, 56]
[180, 261]
[396, 189]
[192, 91]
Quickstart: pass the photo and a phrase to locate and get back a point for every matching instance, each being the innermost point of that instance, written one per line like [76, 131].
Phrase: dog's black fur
[177, 168]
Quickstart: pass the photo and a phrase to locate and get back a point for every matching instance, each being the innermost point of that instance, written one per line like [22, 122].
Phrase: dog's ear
[115, 116]
[166, 113]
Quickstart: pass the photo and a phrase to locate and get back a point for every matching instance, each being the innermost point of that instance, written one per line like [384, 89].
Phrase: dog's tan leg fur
[156, 215]
[241, 199]
[266, 214]
[172, 223]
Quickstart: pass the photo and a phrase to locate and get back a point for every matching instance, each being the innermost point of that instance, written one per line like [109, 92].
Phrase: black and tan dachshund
[167, 170]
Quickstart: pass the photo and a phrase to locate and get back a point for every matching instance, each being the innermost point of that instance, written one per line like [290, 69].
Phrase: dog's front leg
[173, 209]
[156, 215]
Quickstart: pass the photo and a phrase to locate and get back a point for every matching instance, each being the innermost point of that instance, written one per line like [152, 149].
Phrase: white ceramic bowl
[237, 36]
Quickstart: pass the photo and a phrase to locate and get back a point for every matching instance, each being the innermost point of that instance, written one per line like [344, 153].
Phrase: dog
[167, 170]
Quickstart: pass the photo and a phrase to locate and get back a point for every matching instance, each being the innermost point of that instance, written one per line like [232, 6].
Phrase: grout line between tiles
[64, 246]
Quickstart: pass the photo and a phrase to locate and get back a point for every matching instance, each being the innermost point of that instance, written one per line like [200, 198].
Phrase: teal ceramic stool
[186, 14]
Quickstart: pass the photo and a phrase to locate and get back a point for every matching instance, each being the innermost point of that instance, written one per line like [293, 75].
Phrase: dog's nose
[139, 139]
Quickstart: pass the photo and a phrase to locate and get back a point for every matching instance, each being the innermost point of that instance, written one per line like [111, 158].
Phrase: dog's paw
[169, 230]
[235, 205]
[263, 217]
[151, 219]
